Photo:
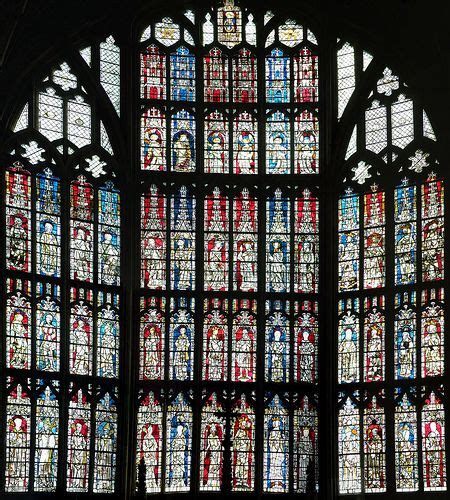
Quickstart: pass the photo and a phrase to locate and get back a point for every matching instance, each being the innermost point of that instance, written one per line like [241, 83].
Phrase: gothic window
[62, 285]
[391, 291]
[229, 261]
[223, 257]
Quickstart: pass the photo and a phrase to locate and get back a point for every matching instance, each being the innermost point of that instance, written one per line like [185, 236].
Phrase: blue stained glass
[277, 77]
[183, 142]
[278, 144]
[182, 75]
[276, 446]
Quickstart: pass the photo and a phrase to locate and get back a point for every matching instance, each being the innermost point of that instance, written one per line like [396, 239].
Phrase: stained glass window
[62, 296]
[172, 188]
[391, 298]
[229, 254]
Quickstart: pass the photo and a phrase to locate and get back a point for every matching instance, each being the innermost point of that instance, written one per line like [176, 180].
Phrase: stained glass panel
[215, 339]
[349, 447]
[182, 75]
[216, 144]
[277, 341]
[306, 143]
[181, 339]
[215, 67]
[152, 335]
[81, 331]
[306, 339]
[244, 341]
[48, 327]
[153, 140]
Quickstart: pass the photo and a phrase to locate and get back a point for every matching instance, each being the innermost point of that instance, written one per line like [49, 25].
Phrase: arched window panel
[178, 443]
[349, 444]
[349, 334]
[306, 142]
[245, 241]
[149, 442]
[153, 140]
[216, 76]
[278, 244]
[217, 244]
[216, 143]
[276, 444]
[105, 442]
[433, 441]
[351, 63]
[244, 76]
[182, 338]
[152, 338]
[305, 341]
[305, 422]
[374, 440]
[278, 143]
[212, 436]
[182, 142]
[215, 339]
[245, 143]
[182, 239]
[406, 441]
[154, 238]
[48, 327]
[244, 340]
[277, 341]
[278, 77]
[182, 75]
[374, 339]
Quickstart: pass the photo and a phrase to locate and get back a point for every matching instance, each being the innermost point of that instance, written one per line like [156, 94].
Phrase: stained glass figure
[153, 73]
[78, 443]
[374, 244]
[278, 243]
[216, 144]
[215, 339]
[306, 76]
[153, 140]
[432, 229]
[182, 75]
[229, 24]
[181, 339]
[244, 76]
[150, 441]
[178, 444]
[18, 432]
[277, 77]
[245, 144]
[348, 250]
[47, 436]
[432, 334]
[216, 259]
[245, 242]
[374, 446]
[305, 446]
[244, 338]
[278, 144]
[276, 445]
[105, 444]
[306, 338]
[109, 235]
[153, 239]
[374, 339]
[48, 224]
[212, 436]
[433, 443]
[215, 67]
[306, 241]
[242, 445]
[18, 219]
[277, 341]
[81, 331]
[349, 442]
[405, 233]
[182, 146]
[152, 335]
[108, 334]
[306, 143]
[406, 459]
[81, 230]
[48, 327]
[405, 335]
[18, 325]
[348, 340]
[182, 254]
